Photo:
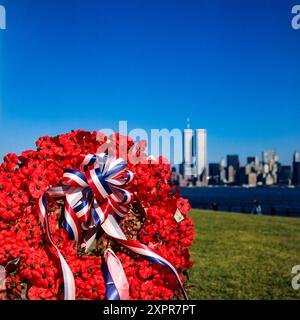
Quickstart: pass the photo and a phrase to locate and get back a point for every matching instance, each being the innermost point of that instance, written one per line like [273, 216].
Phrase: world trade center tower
[195, 155]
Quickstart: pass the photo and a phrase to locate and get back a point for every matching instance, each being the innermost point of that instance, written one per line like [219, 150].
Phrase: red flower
[183, 205]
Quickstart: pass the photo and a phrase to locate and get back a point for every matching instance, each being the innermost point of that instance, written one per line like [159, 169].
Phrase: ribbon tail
[117, 287]
[111, 227]
[69, 282]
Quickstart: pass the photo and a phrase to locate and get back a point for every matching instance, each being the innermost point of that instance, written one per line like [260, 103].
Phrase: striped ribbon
[92, 197]
[117, 287]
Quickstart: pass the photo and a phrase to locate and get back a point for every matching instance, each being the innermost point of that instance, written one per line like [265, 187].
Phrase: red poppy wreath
[87, 216]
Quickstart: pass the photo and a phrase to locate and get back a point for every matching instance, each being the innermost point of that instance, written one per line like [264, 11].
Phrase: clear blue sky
[231, 66]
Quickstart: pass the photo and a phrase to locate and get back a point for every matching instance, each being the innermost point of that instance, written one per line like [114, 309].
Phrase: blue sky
[231, 66]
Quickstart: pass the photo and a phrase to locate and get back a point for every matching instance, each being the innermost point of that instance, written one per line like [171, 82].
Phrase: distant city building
[249, 167]
[285, 175]
[181, 169]
[214, 173]
[252, 179]
[252, 169]
[296, 173]
[242, 176]
[270, 167]
[233, 160]
[270, 157]
[175, 178]
[230, 175]
[257, 164]
[194, 168]
[188, 153]
[296, 157]
[223, 179]
[251, 160]
[201, 156]
[296, 169]
[232, 168]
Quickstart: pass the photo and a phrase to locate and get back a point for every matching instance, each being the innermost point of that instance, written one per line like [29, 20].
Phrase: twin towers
[195, 156]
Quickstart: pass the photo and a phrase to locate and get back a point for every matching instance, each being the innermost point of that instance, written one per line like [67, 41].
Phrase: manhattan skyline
[231, 67]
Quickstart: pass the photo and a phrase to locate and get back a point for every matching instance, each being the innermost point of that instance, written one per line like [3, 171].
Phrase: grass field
[239, 256]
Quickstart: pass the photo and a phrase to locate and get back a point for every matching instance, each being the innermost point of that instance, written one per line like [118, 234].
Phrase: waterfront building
[181, 169]
[188, 153]
[285, 175]
[232, 168]
[230, 175]
[266, 168]
[296, 173]
[214, 174]
[251, 160]
[201, 156]
[296, 157]
[194, 168]
[222, 172]
[175, 177]
[249, 167]
[233, 160]
[253, 164]
[269, 180]
[269, 156]
[242, 177]
[296, 169]
[252, 179]
[257, 164]
[270, 161]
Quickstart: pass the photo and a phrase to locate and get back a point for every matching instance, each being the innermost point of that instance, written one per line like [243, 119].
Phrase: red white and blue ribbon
[92, 197]
[117, 287]
[69, 282]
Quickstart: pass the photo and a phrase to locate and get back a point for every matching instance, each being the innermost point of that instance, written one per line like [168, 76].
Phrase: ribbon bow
[93, 196]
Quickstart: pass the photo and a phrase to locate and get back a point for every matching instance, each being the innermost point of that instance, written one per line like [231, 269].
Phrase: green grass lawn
[239, 256]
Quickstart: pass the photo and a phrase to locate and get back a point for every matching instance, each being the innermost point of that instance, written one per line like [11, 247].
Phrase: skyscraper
[284, 175]
[270, 167]
[233, 160]
[188, 152]
[269, 157]
[214, 173]
[195, 156]
[201, 156]
[223, 179]
[232, 168]
[251, 160]
[296, 169]
[296, 157]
